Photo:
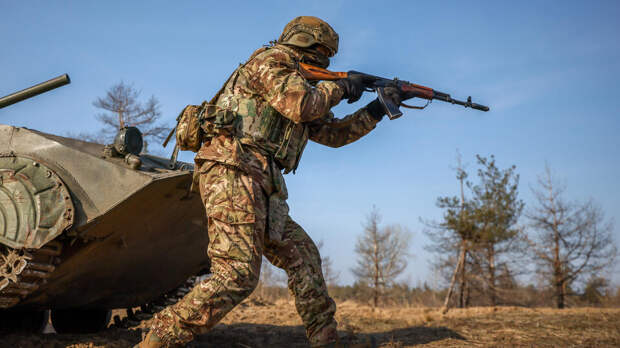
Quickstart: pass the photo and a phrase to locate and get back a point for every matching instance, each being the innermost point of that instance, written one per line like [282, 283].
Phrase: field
[257, 324]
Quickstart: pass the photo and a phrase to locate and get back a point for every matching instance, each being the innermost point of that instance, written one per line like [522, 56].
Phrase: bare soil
[257, 324]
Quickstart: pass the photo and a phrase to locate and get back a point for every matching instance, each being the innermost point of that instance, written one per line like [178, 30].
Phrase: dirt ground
[256, 324]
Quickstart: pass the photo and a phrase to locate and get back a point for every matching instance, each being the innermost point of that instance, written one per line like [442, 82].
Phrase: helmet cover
[305, 31]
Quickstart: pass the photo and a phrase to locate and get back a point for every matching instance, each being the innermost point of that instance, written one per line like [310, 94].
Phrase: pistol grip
[391, 108]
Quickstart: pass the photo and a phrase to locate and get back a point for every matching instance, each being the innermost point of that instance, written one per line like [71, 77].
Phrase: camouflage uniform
[268, 113]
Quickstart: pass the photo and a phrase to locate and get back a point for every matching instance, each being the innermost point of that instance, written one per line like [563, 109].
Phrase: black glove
[353, 88]
[376, 109]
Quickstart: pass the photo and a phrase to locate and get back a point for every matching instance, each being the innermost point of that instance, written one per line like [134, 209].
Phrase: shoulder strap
[236, 73]
[213, 100]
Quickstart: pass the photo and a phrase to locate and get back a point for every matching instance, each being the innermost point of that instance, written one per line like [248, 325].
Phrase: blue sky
[549, 70]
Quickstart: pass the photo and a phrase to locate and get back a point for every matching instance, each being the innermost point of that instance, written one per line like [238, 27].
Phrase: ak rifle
[378, 84]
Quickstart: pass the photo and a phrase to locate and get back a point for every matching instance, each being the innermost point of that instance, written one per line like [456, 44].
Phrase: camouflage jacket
[270, 111]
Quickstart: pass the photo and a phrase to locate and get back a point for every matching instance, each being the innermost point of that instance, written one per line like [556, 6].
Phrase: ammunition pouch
[277, 136]
[189, 133]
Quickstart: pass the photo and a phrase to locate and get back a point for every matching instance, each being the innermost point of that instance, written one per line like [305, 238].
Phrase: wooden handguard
[418, 90]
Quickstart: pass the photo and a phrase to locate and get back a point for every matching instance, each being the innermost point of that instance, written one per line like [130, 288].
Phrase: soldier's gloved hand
[376, 109]
[353, 88]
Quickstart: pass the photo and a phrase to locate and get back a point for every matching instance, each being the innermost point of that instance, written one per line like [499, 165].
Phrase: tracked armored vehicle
[85, 228]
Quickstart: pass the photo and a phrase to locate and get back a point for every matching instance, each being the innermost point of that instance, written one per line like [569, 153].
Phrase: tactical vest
[254, 122]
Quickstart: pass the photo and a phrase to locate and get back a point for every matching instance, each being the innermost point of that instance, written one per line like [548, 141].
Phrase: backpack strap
[222, 89]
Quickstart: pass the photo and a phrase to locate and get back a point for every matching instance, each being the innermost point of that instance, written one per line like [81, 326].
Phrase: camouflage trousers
[237, 209]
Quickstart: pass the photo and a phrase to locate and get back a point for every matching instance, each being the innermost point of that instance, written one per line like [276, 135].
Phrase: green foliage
[458, 212]
[495, 206]
[482, 224]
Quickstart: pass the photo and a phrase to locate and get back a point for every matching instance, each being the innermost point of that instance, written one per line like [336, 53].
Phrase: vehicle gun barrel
[34, 90]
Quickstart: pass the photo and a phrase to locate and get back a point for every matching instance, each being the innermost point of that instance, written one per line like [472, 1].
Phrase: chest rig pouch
[244, 114]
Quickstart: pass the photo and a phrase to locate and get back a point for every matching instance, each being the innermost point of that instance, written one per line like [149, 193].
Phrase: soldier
[266, 114]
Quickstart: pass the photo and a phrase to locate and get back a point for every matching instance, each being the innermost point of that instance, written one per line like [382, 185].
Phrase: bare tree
[123, 108]
[330, 275]
[594, 291]
[572, 241]
[381, 254]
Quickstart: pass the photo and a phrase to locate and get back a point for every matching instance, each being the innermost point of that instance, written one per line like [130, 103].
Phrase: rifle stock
[314, 73]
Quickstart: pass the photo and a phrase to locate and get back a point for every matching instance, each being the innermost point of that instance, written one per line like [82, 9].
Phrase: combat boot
[150, 341]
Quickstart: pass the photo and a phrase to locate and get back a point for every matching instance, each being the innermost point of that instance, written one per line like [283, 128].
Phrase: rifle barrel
[34, 90]
[469, 104]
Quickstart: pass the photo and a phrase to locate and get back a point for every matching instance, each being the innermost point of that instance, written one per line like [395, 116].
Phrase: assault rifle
[378, 84]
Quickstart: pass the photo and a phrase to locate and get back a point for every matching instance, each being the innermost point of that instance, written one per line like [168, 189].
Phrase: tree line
[487, 241]
[489, 248]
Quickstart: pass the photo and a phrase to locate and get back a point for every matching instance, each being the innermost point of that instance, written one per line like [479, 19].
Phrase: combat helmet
[305, 31]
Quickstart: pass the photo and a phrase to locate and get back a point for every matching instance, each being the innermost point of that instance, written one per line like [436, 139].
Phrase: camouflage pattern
[267, 113]
[188, 130]
[305, 31]
[289, 112]
[237, 208]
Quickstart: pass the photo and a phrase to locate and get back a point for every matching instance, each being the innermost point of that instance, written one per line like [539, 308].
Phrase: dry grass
[471, 327]
[256, 324]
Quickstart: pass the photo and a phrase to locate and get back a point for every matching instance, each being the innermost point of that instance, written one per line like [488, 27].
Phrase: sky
[549, 71]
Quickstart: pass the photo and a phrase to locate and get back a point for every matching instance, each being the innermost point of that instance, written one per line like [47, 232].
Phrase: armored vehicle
[85, 228]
